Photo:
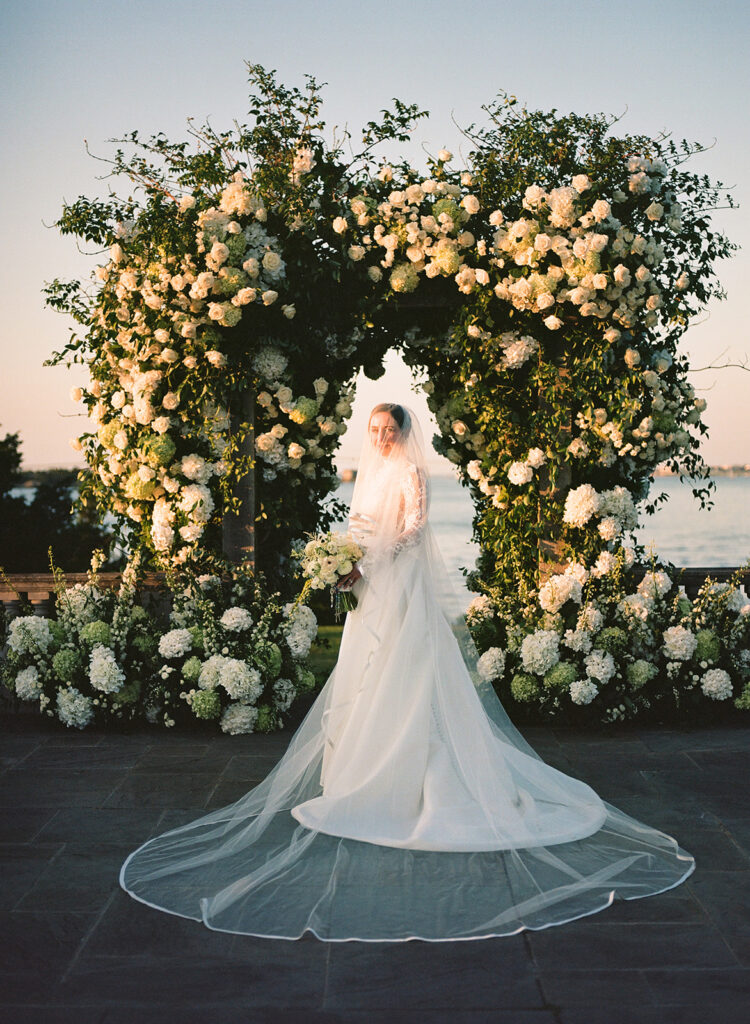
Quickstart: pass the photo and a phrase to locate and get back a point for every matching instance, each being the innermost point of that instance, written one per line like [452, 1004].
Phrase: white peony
[520, 473]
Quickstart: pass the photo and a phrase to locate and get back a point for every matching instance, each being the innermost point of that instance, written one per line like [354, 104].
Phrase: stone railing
[39, 588]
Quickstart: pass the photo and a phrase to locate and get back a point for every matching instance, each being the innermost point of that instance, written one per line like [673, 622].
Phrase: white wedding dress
[407, 805]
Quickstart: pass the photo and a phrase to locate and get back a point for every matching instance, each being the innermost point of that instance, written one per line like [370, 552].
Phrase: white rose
[339, 225]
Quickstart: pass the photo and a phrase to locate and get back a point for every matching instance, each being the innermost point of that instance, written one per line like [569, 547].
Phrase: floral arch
[544, 288]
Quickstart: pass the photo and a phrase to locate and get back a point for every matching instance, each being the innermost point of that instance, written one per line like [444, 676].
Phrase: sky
[76, 70]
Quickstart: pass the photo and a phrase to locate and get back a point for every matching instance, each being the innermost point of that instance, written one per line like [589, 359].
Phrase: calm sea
[679, 531]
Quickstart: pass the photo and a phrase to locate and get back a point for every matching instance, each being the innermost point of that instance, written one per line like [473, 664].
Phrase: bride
[407, 805]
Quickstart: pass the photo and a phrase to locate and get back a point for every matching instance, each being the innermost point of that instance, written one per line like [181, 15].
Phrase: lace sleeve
[414, 510]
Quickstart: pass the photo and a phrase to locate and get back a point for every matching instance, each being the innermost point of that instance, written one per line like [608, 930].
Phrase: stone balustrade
[39, 588]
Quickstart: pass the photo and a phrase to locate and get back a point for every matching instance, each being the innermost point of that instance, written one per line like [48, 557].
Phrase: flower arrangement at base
[616, 646]
[325, 560]
[92, 661]
[234, 654]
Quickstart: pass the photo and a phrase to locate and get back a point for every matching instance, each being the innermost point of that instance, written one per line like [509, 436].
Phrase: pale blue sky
[76, 69]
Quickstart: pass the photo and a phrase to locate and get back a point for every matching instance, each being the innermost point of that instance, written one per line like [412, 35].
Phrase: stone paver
[75, 948]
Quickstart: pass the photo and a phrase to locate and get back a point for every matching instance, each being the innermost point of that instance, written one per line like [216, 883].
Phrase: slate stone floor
[75, 948]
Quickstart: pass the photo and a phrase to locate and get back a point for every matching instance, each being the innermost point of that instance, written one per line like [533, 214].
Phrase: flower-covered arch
[543, 288]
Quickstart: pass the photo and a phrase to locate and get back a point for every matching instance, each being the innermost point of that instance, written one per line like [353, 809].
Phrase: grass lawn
[325, 651]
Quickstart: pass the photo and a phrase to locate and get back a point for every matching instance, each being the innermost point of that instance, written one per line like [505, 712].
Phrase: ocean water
[679, 531]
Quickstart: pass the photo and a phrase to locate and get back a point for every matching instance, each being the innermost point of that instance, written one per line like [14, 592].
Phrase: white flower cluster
[300, 629]
[540, 651]
[284, 692]
[239, 719]
[583, 691]
[491, 664]
[615, 508]
[28, 684]
[29, 633]
[328, 557]
[418, 230]
[679, 643]
[717, 684]
[73, 708]
[236, 620]
[575, 252]
[600, 666]
[175, 643]
[104, 672]
[480, 608]
[558, 590]
[241, 681]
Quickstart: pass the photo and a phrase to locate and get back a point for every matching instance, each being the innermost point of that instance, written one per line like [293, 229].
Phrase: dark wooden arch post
[550, 545]
[238, 531]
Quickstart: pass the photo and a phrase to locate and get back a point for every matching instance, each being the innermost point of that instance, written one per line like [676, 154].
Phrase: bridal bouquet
[325, 560]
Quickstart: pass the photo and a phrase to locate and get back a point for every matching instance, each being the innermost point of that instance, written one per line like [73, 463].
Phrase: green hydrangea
[191, 670]
[450, 207]
[684, 606]
[305, 409]
[65, 665]
[58, 634]
[129, 694]
[236, 245]
[559, 678]
[106, 433]
[158, 449]
[205, 703]
[525, 688]
[267, 719]
[144, 643]
[97, 632]
[138, 614]
[197, 634]
[305, 679]
[613, 640]
[708, 646]
[640, 672]
[231, 279]
[742, 703]
[139, 490]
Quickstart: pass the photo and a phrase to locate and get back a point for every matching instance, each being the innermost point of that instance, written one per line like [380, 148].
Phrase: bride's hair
[397, 412]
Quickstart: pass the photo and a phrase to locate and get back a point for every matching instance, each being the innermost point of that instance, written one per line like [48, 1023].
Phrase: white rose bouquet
[325, 560]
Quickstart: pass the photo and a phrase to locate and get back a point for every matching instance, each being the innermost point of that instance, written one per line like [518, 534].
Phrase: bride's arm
[415, 510]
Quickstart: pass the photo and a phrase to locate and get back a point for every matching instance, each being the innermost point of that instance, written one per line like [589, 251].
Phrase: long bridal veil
[407, 805]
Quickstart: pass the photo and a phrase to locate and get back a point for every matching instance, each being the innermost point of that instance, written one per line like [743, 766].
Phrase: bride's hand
[348, 581]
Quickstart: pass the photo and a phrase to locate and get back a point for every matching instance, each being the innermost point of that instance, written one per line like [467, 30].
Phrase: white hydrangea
[635, 606]
[655, 583]
[104, 672]
[210, 674]
[28, 684]
[29, 634]
[241, 682]
[236, 619]
[590, 618]
[583, 691]
[175, 643]
[239, 719]
[491, 664]
[605, 563]
[73, 709]
[300, 629]
[600, 666]
[717, 684]
[679, 643]
[284, 692]
[580, 505]
[195, 467]
[557, 591]
[578, 640]
[80, 603]
[540, 651]
[480, 607]
[196, 500]
[270, 364]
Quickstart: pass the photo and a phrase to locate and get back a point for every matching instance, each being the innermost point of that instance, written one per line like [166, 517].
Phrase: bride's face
[384, 433]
